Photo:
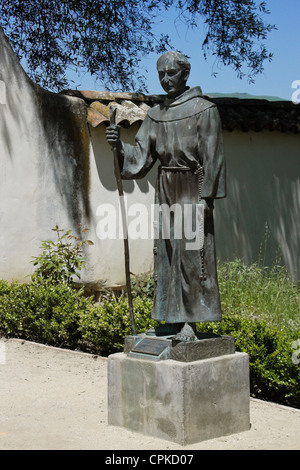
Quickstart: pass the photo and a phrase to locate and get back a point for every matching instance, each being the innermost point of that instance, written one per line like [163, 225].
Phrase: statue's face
[172, 76]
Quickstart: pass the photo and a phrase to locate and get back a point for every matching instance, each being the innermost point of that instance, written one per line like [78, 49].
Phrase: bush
[273, 374]
[57, 314]
[104, 327]
[143, 286]
[45, 313]
[61, 261]
[4, 287]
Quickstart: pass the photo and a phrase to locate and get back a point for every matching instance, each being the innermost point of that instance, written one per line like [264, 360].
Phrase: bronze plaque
[153, 347]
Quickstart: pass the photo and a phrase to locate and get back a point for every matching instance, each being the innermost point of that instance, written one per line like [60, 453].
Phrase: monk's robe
[184, 134]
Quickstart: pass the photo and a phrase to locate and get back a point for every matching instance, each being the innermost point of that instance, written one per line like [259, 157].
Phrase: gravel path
[52, 398]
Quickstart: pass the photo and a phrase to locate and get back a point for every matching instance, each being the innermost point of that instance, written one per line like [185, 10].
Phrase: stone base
[184, 402]
[165, 347]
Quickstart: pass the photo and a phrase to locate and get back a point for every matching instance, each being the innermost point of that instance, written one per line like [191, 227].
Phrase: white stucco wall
[261, 213]
[52, 173]
[43, 165]
[258, 218]
[54, 169]
[107, 261]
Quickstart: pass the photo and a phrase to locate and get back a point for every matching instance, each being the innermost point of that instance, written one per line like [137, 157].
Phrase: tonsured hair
[179, 58]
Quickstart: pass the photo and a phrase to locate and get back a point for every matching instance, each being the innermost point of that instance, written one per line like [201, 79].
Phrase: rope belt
[175, 168]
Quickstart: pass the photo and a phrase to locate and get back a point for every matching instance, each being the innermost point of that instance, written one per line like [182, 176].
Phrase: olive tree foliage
[108, 38]
[235, 31]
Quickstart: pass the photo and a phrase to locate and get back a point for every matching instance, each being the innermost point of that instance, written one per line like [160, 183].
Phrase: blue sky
[277, 78]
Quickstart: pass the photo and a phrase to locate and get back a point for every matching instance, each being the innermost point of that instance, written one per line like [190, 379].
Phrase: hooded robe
[185, 135]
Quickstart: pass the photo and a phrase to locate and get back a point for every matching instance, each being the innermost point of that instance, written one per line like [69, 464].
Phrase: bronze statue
[184, 134]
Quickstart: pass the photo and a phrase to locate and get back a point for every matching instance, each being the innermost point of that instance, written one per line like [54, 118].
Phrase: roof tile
[236, 113]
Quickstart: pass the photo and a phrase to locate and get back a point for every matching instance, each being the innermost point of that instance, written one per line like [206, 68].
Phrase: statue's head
[173, 71]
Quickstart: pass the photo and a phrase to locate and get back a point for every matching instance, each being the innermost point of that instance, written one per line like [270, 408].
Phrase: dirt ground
[55, 399]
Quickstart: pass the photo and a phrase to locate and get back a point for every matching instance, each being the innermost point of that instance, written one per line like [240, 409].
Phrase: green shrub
[143, 286]
[61, 261]
[104, 327]
[46, 313]
[273, 374]
[57, 314]
[4, 287]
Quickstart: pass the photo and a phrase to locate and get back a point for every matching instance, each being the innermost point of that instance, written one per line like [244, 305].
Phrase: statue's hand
[113, 135]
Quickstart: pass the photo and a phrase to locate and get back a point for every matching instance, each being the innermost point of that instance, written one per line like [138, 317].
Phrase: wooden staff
[124, 224]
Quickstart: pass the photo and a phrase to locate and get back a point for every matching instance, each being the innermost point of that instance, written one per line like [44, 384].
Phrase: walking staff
[113, 111]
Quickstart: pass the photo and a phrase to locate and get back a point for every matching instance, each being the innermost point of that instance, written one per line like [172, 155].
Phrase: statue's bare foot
[187, 333]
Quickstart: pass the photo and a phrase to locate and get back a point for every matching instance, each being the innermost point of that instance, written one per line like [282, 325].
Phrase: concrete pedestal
[185, 402]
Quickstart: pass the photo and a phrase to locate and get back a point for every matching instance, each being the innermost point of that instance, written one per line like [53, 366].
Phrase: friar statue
[184, 134]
